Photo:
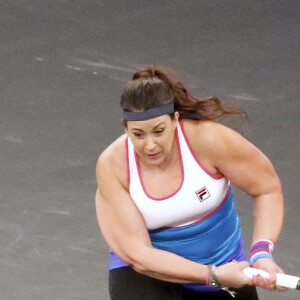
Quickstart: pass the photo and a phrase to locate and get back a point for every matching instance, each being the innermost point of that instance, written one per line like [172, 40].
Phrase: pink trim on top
[127, 161]
[182, 172]
[195, 156]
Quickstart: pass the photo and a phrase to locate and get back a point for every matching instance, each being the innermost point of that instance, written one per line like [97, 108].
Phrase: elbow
[138, 261]
[140, 268]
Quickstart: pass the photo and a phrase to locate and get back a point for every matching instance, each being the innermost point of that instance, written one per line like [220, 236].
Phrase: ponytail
[188, 106]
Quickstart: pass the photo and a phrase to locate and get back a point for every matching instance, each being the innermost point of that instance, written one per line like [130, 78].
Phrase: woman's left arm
[250, 170]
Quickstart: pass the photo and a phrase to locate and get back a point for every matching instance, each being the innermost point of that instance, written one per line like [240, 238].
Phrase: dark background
[63, 65]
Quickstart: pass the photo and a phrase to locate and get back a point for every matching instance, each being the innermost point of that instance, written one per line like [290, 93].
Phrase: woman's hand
[232, 275]
[268, 265]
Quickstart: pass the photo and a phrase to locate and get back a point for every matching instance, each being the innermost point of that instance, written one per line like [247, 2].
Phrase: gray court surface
[62, 68]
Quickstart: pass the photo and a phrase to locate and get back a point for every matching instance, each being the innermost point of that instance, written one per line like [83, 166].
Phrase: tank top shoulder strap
[187, 152]
[190, 158]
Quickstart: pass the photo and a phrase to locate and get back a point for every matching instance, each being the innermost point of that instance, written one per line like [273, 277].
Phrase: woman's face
[153, 139]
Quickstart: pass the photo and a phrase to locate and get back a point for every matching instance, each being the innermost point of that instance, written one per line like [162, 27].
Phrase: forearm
[268, 216]
[167, 266]
[170, 267]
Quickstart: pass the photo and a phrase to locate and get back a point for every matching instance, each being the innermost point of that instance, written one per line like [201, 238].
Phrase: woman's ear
[125, 129]
[176, 118]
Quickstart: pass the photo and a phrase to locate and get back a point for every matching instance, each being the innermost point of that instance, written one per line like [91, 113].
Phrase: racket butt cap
[298, 285]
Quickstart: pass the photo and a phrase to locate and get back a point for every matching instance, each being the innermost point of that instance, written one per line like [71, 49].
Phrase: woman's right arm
[125, 231]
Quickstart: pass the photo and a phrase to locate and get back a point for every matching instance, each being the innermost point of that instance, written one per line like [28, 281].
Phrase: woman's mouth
[153, 156]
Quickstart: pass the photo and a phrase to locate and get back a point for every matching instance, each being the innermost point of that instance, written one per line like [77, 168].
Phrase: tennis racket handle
[288, 281]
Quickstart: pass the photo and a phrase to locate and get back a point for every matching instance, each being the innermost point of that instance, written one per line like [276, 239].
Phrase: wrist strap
[261, 249]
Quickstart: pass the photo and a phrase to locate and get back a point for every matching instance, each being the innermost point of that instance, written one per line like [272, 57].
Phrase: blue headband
[151, 113]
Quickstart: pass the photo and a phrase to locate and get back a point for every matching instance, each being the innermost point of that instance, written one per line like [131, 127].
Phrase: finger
[273, 278]
[281, 289]
[263, 282]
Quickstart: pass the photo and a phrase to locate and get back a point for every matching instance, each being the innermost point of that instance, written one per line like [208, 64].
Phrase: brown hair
[156, 85]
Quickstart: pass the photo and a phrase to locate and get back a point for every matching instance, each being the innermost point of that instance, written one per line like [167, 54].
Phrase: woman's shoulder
[207, 131]
[212, 139]
[112, 166]
[113, 158]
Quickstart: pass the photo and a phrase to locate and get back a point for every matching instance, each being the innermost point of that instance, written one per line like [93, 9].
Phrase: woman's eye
[137, 134]
[160, 131]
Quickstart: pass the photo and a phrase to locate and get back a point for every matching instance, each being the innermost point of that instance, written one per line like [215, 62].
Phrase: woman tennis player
[165, 198]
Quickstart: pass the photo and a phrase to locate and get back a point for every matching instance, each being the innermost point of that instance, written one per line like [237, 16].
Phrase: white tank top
[199, 195]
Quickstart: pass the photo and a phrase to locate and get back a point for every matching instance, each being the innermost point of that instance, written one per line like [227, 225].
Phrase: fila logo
[202, 194]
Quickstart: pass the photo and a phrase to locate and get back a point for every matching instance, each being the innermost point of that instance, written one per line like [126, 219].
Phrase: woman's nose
[150, 143]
